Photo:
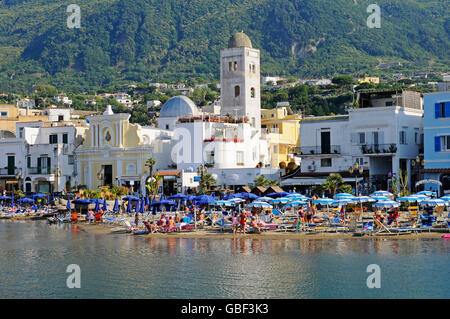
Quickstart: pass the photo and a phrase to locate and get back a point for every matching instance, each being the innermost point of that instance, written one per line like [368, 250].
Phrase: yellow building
[114, 152]
[369, 79]
[282, 129]
[11, 114]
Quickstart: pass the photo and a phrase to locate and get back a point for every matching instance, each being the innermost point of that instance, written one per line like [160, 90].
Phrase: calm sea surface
[34, 257]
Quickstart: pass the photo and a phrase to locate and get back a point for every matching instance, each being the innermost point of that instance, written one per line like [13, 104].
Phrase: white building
[383, 136]
[26, 103]
[63, 99]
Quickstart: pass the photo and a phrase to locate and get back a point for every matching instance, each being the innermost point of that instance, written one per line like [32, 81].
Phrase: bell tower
[240, 83]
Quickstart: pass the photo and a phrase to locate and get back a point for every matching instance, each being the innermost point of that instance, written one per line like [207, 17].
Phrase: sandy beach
[105, 229]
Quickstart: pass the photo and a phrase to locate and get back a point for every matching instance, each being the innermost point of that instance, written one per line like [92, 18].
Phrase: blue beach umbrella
[276, 195]
[410, 198]
[446, 198]
[137, 207]
[380, 198]
[382, 193]
[264, 199]
[26, 200]
[130, 198]
[68, 206]
[147, 201]
[116, 205]
[129, 207]
[387, 203]
[323, 201]
[296, 204]
[363, 199]
[48, 199]
[260, 205]
[105, 205]
[280, 200]
[97, 206]
[12, 200]
[142, 210]
[343, 196]
[426, 193]
[433, 202]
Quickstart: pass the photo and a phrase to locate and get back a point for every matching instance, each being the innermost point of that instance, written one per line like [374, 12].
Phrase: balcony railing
[379, 148]
[40, 170]
[319, 150]
[8, 171]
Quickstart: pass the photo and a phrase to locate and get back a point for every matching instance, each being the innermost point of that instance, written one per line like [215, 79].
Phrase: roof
[179, 106]
[239, 39]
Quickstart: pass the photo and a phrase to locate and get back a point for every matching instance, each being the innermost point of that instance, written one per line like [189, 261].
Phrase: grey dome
[179, 106]
[239, 39]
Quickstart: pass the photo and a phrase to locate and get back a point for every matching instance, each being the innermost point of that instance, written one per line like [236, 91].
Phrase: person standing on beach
[242, 221]
[309, 213]
[234, 221]
[136, 219]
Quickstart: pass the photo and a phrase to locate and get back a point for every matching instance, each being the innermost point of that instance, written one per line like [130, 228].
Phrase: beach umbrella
[38, 195]
[410, 198]
[363, 199]
[53, 197]
[343, 201]
[246, 195]
[26, 200]
[323, 201]
[380, 198]
[343, 196]
[446, 198]
[116, 206]
[82, 201]
[177, 196]
[97, 206]
[296, 203]
[387, 203]
[260, 205]
[68, 206]
[276, 195]
[293, 194]
[142, 210]
[105, 205]
[382, 193]
[433, 202]
[264, 199]
[48, 199]
[4, 197]
[137, 207]
[147, 200]
[426, 193]
[280, 200]
[130, 198]
[129, 207]
[12, 200]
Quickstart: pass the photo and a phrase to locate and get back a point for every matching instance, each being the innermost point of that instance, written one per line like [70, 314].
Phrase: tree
[403, 179]
[345, 188]
[206, 181]
[264, 181]
[332, 183]
[154, 181]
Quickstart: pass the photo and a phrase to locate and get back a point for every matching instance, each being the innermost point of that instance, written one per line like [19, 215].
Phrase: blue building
[437, 141]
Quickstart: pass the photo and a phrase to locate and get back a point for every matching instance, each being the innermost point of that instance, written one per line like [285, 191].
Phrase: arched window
[237, 91]
[252, 92]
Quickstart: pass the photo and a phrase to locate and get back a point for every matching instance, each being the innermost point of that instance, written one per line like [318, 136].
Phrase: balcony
[318, 150]
[379, 149]
[8, 171]
[40, 170]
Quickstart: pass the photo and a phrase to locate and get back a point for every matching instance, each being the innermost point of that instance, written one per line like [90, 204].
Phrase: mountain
[149, 40]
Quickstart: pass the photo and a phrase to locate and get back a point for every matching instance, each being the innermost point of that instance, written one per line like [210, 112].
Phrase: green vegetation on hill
[141, 40]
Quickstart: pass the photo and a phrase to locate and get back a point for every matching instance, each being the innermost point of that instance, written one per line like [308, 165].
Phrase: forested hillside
[141, 40]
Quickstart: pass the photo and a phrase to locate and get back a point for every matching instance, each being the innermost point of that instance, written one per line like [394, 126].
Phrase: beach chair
[413, 212]
[367, 227]
[427, 222]
[267, 226]
[336, 223]
[130, 228]
[223, 224]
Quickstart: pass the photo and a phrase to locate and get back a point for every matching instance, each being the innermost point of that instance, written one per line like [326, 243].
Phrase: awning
[314, 181]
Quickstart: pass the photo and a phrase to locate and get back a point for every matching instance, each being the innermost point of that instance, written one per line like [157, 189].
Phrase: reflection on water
[34, 257]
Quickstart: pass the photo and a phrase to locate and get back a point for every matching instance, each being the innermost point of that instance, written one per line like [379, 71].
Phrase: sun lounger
[335, 223]
[130, 228]
[266, 226]
[223, 224]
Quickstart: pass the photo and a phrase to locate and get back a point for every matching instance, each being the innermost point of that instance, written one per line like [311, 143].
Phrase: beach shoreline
[104, 229]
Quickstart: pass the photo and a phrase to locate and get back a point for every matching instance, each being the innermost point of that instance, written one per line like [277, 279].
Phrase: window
[252, 92]
[362, 138]
[167, 126]
[28, 161]
[239, 158]
[230, 66]
[325, 162]
[60, 118]
[71, 159]
[444, 143]
[416, 136]
[389, 103]
[375, 138]
[360, 161]
[442, 109]
[65, 138]
[21, 132]
[402, 137]
[237, 91]
[53, 139]
[235, 66]
[4, 114]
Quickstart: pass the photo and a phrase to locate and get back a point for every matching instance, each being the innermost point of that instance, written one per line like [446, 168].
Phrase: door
[325, 142]
[11, 164]
[108, 175]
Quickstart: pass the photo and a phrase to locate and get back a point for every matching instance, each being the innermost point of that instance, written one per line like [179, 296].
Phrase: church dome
[239, 39]
[179, 106]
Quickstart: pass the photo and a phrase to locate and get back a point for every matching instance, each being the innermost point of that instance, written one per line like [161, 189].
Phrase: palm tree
[206, 181]
[264, 181]
[332, 183]
[154, 181]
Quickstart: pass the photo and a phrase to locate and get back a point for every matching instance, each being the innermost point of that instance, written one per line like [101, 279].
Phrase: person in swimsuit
[242, 221]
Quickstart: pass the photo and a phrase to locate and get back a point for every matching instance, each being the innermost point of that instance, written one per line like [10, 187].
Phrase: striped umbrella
[446, 198]
[260, 205]
[426, 193]
[382, 193]
[343, 196]
[296, 203]
[323, 201]
[264, 199]
[387, 203]
[433, 202]
[381, 198]
[410, 198]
